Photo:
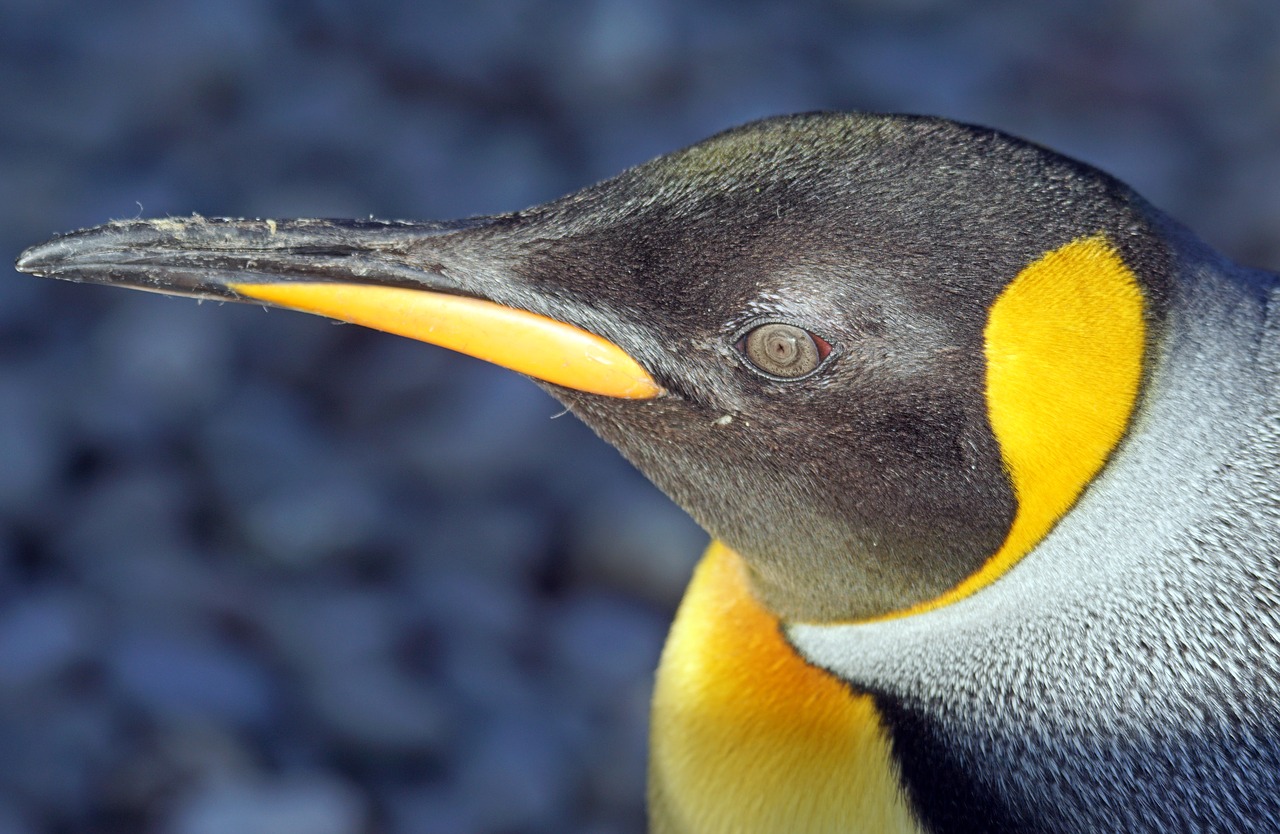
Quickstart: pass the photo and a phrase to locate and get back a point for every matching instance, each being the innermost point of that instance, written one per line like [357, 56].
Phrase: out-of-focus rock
[301, 804]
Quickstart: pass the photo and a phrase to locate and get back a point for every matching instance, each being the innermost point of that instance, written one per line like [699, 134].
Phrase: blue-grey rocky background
[261, 574]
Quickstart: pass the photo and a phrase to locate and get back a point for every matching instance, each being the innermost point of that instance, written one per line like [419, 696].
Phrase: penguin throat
[750, 738]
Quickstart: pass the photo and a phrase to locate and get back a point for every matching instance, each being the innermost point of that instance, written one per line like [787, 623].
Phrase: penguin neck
[742, 726]
[1136, 629]
[1196, 450]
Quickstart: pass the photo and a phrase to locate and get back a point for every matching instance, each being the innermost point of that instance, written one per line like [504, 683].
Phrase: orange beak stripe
[527, 343]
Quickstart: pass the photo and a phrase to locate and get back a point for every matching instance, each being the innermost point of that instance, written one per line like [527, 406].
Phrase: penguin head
[877, 356]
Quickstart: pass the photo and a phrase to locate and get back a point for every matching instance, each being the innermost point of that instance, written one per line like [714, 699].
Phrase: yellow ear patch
[1064, 346]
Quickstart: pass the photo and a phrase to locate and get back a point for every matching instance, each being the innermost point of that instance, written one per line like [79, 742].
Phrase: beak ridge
[199, 256]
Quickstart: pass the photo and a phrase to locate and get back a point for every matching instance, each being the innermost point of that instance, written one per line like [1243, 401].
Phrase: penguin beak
[384, 275]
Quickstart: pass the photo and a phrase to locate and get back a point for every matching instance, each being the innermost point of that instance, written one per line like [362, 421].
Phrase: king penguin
[988, 446]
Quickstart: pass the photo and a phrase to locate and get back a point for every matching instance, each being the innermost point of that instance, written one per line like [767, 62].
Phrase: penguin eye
[784, 350]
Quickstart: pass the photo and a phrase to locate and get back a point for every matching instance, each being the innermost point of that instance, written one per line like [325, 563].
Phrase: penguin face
[874, 481]
[811, 295]
[872, 476]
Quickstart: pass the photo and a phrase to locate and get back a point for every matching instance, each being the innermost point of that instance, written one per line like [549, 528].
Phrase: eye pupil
[782, 350]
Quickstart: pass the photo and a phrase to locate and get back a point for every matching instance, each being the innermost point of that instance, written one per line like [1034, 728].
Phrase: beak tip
[53, 257]
[38, 259]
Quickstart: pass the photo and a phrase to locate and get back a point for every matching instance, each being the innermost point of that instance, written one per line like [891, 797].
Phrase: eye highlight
[783, 350]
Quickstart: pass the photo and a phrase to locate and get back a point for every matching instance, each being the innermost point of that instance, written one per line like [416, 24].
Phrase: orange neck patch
[747, 738]
[1065, 345]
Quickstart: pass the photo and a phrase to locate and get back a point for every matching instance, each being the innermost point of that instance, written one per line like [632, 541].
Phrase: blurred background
[261, 573]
